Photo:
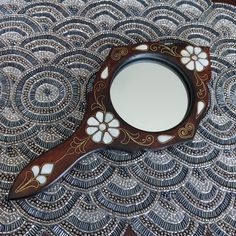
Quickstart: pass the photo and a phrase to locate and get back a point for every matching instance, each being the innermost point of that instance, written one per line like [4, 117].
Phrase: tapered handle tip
[25, 185]
[44, 170]
[12, 195]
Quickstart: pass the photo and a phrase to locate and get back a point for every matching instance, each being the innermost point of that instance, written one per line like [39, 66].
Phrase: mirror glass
[149, 96]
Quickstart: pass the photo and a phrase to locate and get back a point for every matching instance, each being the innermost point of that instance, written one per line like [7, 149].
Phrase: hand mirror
[149, 95]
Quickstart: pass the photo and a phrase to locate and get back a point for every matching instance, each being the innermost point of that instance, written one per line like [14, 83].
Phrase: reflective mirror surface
[149, 96]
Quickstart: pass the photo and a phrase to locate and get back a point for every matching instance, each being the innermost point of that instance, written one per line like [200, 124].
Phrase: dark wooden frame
[51, 165]
[232, 2]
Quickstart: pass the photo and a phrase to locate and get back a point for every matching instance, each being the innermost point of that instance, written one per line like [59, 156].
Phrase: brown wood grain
[232, 2]
[33, 178]
[129, 232]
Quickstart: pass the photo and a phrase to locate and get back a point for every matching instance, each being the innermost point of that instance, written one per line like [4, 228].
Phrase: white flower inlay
[194, 58]
[103, 127]
[39, 174]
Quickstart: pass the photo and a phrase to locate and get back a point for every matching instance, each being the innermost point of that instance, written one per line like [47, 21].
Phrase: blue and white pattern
[49, 52]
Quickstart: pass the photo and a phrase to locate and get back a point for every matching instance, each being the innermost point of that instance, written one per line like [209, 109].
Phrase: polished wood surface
[129, 232]
[232, 2]
[44, 170]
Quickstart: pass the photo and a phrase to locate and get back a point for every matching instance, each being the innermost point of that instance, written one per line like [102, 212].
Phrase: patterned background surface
[48, 52]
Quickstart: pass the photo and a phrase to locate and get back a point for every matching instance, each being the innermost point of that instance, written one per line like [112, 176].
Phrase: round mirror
[149, 96]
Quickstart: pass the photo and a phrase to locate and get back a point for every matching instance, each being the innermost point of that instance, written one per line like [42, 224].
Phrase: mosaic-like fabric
[49, 52]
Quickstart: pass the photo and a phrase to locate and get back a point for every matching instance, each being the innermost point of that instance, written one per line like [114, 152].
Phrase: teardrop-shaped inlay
[164, 138]
[104, 73]
[142, 47]
[200, 107]
[35, 170]
[41, 179]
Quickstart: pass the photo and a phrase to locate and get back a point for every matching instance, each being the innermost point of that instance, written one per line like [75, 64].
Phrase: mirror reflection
[149, 96]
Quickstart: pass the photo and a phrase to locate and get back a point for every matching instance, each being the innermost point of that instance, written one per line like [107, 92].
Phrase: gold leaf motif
[154, 47]
[98, 104]
[164, 49]
[135, 137]
[187, 131]
[28, 182]
[118, 52]
[77, 146]
[201, 84]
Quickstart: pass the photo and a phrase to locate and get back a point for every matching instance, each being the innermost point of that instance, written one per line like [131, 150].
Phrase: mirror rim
[129, 137]
[153, 57]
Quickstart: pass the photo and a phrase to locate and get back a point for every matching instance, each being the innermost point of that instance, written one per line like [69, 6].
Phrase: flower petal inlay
[108, 117]
[107, 138]
[106, 128]
[190, 49]
[47, 169]
[194, 58]
[185, 60]
[41, 179]
[99, 116]
[92, 121]
[97, 137]
[190, 65]
[199, 66]
[114, 132]
[204, 62]
[91, 130]
[202, 55]
[197, 50]
[185, 53]
[35, 170]
[114, 124]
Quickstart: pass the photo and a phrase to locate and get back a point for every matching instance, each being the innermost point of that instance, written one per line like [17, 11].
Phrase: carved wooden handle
[102, 126]
[51, 165]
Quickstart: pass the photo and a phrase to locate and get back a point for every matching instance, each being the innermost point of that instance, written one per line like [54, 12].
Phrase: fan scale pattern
[49, 52]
